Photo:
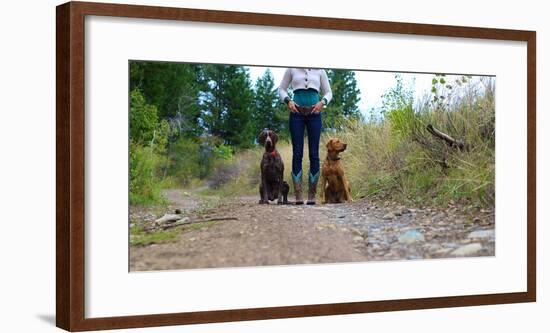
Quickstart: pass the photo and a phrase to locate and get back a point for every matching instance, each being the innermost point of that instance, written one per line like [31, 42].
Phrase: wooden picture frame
[71, 161]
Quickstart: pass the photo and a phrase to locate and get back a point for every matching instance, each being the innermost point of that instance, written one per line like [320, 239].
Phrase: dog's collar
[274, 153]
[333, 159]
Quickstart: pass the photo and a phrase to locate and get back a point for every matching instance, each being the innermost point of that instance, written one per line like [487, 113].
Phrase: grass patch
[138, 237]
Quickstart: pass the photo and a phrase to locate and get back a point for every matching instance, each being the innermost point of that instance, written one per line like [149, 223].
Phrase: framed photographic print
[220, 166]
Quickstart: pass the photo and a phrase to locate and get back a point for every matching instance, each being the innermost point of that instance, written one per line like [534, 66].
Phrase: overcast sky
[371, 84]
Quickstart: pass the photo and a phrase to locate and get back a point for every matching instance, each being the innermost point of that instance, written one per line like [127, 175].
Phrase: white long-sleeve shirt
[305, 78]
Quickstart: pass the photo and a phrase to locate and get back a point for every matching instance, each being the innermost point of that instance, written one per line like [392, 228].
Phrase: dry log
[451, 142]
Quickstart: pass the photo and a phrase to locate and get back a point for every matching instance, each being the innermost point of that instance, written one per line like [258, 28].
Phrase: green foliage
[174, 89]
[223, 152]
[138, 237]
[192, 159]
[143, 118]
[227, 101]
[403, 121]
[398, 97]
[268, 112]
[148, 141]
[185, 163]
[145, 182]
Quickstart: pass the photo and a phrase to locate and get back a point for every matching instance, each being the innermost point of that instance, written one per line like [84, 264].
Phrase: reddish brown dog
[334, 184]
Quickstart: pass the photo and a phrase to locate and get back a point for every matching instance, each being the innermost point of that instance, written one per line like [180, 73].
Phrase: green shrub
[185, 160]
[145, 127]
[223, 152]
[145, 181]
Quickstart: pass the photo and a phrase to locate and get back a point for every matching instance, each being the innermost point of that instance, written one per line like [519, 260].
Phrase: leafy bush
[145, 182]
[145, 126]
[148, 140]
[185, 160]
[223, 152]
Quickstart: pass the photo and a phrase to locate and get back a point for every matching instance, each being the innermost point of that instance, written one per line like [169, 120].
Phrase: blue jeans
[298, 123]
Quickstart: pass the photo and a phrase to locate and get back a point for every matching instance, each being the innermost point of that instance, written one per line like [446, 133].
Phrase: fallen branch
[176, 224]
[451, 142]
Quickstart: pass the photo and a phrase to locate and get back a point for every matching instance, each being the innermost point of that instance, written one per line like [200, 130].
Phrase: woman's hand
[292, 106]
[317, 107]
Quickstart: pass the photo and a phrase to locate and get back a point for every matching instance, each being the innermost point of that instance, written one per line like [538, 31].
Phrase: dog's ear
[274, 137]
[261, 137]
[329, 143]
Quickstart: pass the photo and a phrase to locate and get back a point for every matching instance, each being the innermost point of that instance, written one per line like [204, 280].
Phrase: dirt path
[283, 235]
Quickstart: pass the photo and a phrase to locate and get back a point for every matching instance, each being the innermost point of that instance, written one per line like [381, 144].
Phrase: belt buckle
[305, 110]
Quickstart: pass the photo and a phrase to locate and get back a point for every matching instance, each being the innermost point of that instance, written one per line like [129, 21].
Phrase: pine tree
[268, 112]
[346, 96]
[173, 88]
[227, 104]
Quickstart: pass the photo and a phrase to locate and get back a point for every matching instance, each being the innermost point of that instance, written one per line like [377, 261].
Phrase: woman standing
[311, 91]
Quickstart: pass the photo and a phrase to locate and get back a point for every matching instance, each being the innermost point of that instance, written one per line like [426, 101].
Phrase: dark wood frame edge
[70, 165]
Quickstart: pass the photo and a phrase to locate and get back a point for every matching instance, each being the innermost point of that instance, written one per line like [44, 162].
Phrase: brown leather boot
[312, 192]
[297, 180]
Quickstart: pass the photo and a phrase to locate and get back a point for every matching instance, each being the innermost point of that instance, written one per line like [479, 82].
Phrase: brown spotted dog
[272, 185]
[334, 184]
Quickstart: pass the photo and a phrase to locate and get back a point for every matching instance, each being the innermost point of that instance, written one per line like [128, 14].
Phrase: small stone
[434, 247]
[357, 238]
[375, 246]
[356, 232]
[489, 233]
[397, 213]
[441, 251]
[467, 250]
[411, 236]
[388, 216]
